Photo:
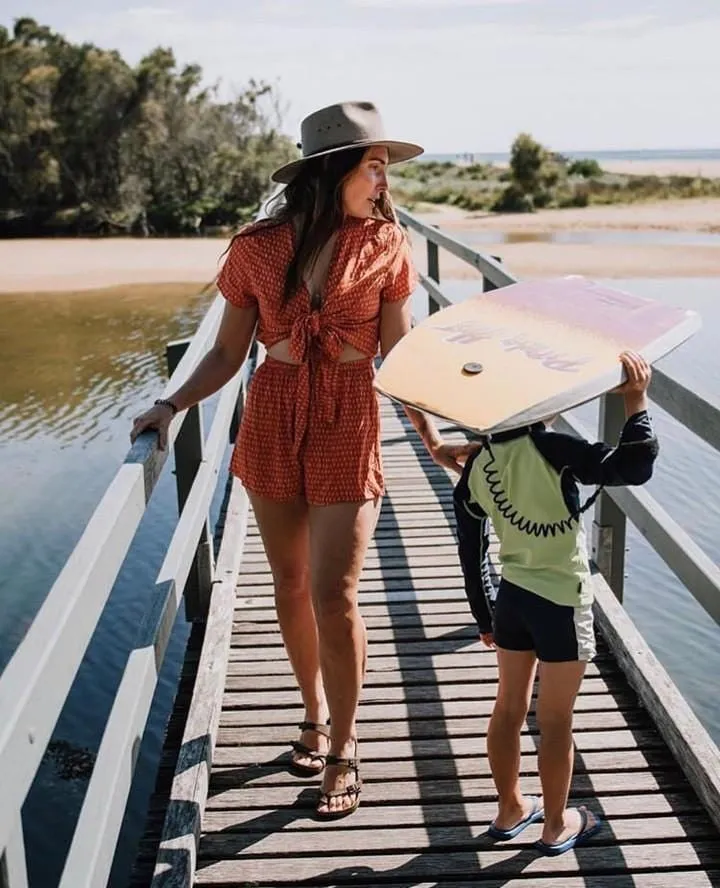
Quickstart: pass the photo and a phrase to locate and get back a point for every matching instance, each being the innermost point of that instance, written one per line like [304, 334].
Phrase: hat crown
[343, 124]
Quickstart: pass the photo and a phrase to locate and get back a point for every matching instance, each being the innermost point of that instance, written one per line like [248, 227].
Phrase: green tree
[88, 143]
[526, 161]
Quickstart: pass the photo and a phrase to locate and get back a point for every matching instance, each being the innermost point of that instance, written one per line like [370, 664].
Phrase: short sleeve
[402, 277]
[234, 278]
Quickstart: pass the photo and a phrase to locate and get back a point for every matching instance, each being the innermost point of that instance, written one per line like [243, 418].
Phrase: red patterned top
[371, 264]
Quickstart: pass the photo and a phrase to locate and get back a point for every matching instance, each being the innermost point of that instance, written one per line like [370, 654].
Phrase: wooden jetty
[227, 813]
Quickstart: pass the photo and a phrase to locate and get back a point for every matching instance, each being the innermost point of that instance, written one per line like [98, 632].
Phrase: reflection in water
[74, 369]
[620, 236]
[68, 360]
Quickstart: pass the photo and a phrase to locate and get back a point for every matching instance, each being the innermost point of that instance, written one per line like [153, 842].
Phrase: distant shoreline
[46, 265]
[705, 164]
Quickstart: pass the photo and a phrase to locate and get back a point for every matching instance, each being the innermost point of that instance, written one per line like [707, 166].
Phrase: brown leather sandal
[353, 790]
[312, 754]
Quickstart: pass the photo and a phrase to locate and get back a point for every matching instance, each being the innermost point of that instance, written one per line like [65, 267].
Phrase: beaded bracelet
[162, 402]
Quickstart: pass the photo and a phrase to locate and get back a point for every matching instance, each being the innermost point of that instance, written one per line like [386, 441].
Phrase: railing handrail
[36, 682]
[700, 415]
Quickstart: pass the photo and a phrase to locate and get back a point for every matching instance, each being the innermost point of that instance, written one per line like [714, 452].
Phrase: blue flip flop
[503, 835]
[579, 838]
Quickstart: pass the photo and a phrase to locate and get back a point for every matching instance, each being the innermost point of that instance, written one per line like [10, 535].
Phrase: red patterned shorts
[289, 446]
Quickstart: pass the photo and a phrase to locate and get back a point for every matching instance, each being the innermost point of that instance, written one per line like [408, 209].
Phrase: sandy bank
[84, 264]
[532, 260]
[701, 214]
[709, 169]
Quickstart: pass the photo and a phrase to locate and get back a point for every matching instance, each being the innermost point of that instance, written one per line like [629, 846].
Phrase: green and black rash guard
[526, 483]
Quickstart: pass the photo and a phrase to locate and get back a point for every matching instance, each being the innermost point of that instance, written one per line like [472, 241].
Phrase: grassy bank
[558, 183]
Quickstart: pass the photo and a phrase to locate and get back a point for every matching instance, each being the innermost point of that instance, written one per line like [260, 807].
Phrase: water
[624, 237]
[74, 368]
[681, 634]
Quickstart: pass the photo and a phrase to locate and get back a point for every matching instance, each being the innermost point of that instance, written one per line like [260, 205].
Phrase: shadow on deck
[428, 795]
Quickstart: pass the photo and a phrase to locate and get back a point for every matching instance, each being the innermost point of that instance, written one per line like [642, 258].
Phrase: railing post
[188, 456]
[246, 371]
[433, 270]
[609, 522]
[13, 865]
[487, 283]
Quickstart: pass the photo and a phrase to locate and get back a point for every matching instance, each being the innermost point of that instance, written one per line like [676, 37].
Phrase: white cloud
[151, 12]
[632, 22]
[437, 4]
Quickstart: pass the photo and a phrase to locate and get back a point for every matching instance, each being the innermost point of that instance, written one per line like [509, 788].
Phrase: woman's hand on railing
[158, 417]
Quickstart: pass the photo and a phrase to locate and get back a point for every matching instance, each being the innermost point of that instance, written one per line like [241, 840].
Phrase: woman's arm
[224, 359]
[217, 367]
[395, 322]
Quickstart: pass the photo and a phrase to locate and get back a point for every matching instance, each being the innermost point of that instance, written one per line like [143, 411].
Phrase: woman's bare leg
[284, 528]
[339, 538]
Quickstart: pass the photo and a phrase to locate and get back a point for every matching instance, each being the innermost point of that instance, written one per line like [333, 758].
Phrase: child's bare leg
[516, 671]
[559, 684]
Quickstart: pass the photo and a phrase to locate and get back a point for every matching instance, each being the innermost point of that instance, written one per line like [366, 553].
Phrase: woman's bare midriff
[280, 351]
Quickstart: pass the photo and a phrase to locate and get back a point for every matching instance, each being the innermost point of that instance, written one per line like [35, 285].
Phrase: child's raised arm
[635, 387]
[631, 460]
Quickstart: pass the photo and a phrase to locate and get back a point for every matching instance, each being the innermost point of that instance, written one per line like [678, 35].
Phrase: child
[525, 482]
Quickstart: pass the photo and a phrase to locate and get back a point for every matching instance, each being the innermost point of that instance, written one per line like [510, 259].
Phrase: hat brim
[397, 153]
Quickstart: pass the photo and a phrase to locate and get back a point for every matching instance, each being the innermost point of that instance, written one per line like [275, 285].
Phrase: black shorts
[524, 621]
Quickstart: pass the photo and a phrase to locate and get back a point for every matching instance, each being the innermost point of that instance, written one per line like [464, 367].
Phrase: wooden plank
[470, 813]
[685, 736]
[262, 597]
[259, 792]
[429, 564]
[379, 664]
[446, 779]
[699, 414]
[431, 711]
[423, 728]
[404, 637]
[461, 836]
[380, 628]
[590, 741]
[675, 879]
[178, 844]
[401, 696]
[441, 576]
[343, 869]
[240, 680]
[420, 608]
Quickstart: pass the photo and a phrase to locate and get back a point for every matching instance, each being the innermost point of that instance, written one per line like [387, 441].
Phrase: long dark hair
[312, 202]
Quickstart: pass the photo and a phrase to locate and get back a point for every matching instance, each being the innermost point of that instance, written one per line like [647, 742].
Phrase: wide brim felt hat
[339, 128]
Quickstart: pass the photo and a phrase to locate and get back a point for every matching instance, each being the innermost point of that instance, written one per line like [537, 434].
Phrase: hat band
[345, 144]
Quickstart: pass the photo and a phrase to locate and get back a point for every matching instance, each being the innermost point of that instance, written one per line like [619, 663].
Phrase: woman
[326, 278]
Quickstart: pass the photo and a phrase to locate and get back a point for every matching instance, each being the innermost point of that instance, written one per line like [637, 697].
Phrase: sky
[454, 75]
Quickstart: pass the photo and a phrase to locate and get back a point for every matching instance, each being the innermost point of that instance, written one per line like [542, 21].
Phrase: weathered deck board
[423, 718]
